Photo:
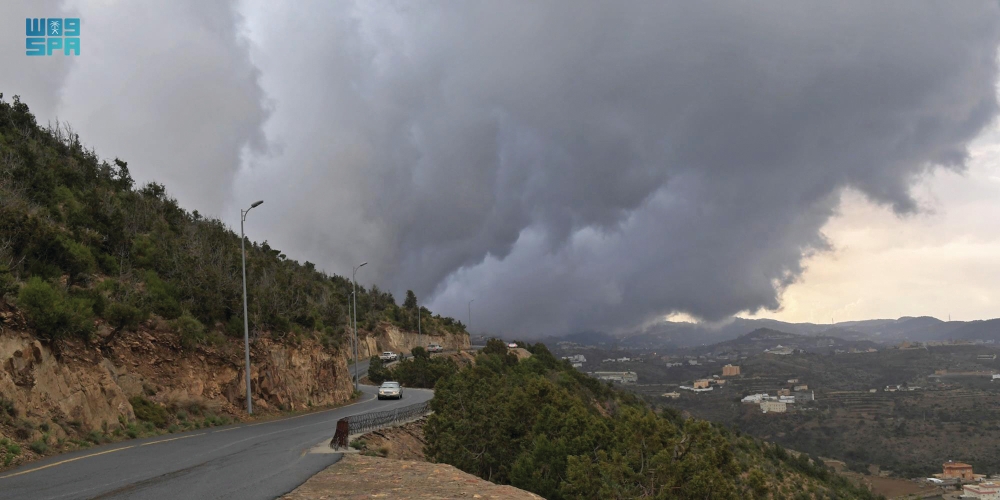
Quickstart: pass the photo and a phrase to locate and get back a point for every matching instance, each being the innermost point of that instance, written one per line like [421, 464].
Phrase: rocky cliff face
[390, 338]
[69, 388]
[72, 388]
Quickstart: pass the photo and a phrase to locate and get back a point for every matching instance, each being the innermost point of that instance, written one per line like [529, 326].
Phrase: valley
[896, 409]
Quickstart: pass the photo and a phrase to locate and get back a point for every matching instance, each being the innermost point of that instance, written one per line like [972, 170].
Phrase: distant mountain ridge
[669, 334]
[765, 339]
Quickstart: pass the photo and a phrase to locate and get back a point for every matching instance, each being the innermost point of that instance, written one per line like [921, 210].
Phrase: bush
[149, 411]
[39, 447]
[52, 314]
[162, 297]
[191, 330]
[95, 437]
[7, 407]
[124, 316]
[13, 448]
[422, 371]
[377, 372]
[495, 346]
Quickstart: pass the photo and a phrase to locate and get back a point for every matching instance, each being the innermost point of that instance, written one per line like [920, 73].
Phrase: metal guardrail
[366, 422]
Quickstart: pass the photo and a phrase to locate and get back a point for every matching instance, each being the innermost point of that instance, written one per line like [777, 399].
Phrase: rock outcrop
[71, 383]
[390, 338]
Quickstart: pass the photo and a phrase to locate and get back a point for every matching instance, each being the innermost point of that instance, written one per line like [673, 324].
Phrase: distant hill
[762, 339]
[670, 334]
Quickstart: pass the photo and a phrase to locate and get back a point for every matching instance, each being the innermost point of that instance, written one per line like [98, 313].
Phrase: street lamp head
[256, 203]
[363, 264]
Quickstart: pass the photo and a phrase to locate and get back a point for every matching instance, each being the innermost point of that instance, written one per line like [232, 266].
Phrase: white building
[986, 491]
[620, 377]
[773, 407]
[754, 398]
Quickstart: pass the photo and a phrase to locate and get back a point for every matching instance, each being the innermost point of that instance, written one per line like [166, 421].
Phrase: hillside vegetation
[80, 242]
[542, 426]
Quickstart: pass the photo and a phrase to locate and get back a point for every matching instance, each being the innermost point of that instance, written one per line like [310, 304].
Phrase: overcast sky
[570, 165]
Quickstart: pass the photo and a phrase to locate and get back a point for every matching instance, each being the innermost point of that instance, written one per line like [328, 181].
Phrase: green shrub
[7, 408]
[191, 331]
[75, 258]
[7, 282]
[124, 316]
[421, 371]
[148, 411]
[162, 296]
[377, 372]
[39, 447]
[95, 437]
[52, 314]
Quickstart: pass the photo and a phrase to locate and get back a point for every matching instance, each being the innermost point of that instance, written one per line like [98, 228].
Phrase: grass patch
[148, 411]
[95, 437]
[39, 447]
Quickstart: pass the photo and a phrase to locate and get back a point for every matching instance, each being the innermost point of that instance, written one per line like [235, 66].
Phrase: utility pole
[420, 339]
[246, 327]
[354, 297]
[470, 316]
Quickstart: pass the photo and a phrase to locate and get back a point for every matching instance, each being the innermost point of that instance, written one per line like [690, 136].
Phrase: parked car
[389, 356]
[511, 345]
[390, 390]
[435, 348]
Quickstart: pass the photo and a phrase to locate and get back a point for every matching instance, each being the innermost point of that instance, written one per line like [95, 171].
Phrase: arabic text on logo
[45, 36]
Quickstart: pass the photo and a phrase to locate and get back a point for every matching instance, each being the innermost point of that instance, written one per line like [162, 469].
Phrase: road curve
[261, 460]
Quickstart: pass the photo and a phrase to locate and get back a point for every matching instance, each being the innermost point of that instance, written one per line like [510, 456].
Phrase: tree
[411, 300]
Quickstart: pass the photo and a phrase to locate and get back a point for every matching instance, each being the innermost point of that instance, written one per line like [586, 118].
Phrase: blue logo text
[43, 36]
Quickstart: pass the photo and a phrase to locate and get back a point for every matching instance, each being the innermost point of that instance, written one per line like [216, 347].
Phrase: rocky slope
[390, 338]
[68, 388]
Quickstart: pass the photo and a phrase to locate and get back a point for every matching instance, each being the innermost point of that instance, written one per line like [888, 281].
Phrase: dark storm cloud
[569, 164]
[167, 86]
[596, 165]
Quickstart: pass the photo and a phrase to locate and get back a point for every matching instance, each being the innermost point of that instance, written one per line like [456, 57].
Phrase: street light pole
[246, 324]
[470, 316]
[354, 297]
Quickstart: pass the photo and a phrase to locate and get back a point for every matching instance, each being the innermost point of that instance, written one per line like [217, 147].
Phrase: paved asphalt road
[243, 461]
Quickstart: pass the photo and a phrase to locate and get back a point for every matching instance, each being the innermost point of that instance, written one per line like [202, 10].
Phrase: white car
[435, 348]
[390, 390]
[511, 345]
[388, 356]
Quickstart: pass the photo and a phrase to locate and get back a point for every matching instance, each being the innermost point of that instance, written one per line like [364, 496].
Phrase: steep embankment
[123, 314]
[63, 391]
[391, 338]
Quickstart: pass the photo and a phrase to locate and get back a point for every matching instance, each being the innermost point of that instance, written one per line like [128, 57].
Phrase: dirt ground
[358, 476]
[895, 488]
[405, 442]
[391, 464]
